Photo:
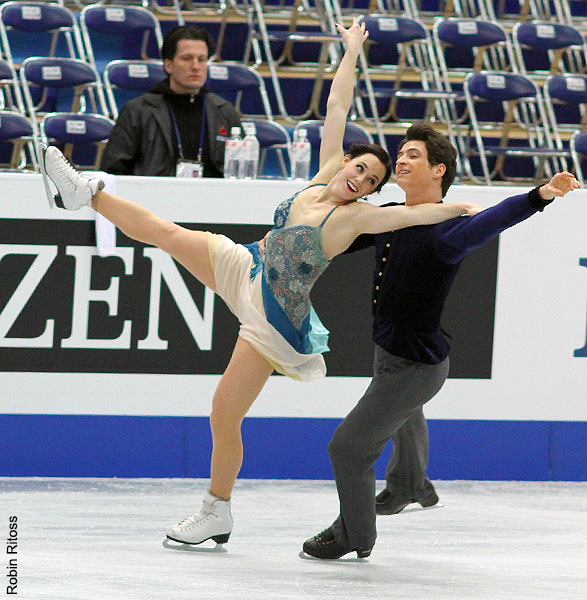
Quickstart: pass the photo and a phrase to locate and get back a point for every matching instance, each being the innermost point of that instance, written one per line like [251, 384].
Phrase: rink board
[108, 365]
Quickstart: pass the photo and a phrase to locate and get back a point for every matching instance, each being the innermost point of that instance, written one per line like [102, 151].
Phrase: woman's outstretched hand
[354, 36]
[559, 185]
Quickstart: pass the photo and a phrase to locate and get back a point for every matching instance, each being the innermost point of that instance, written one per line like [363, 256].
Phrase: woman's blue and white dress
[271, 295]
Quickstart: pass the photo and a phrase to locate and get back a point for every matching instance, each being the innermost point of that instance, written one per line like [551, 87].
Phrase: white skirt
[232, 264]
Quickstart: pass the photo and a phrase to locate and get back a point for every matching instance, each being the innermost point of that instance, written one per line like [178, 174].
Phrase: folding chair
[400, 79]
[112, 32]
[10, 93]
[353, 133]
[59, 84]
[216, 14]
[578, 147]
[429, 11]
[403, 8]
[272, 137]
[465, 45]
[544, 49]
[308, 22]
[242, 86]
[565, 97]
[17, 142]
[50, 28]
[354, 8]
[187, 8]
[526, 10]
[127, 79]
[507, 121]
[82, 137]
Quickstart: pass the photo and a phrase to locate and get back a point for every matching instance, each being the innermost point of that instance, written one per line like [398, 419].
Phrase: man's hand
[558, 186]
[261, 244]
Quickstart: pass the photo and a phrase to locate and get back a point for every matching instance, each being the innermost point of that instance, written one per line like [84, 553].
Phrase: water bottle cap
[250, 128]
[235, 130]
[302, 133]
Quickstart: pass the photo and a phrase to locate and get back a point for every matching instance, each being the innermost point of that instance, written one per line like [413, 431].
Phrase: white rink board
[541, 313]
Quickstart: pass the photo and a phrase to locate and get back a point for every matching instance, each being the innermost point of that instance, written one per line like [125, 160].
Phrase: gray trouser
[390, 409]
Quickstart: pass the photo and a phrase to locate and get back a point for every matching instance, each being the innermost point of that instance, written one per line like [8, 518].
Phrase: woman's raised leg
[190, 248]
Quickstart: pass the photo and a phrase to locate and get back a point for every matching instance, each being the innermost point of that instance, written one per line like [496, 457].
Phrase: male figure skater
[414, 271]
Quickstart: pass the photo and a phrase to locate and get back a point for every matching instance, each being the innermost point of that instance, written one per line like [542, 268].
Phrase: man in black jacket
[178, 125]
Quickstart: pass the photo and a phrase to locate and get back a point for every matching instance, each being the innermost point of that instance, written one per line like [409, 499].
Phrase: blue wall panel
[90, 446]
[511, 450]
[569, 451]
[120, 446]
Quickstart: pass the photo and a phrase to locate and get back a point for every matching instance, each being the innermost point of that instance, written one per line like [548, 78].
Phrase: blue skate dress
[271, 295]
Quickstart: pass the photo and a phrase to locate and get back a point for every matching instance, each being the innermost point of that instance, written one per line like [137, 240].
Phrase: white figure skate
[74, 190]
[212, 521]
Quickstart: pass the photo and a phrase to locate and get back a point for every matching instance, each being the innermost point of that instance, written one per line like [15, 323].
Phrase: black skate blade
[170, 544]
[417, 508]
[342, 559]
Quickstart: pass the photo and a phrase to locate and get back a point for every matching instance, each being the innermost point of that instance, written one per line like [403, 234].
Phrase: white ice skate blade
[46, 178]
[178, 546]
[415, 507]
[342, 560]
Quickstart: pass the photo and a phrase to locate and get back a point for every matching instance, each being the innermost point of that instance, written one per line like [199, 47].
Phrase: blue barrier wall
[291, 448]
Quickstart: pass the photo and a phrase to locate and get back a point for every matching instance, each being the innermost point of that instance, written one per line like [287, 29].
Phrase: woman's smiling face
[360, 176]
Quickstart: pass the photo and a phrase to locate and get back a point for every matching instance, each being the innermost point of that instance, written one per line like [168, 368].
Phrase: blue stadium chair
[59, 84]
[508, 121]
[10, 92]
[82, 137]
[112, 32]
[544, 49]
[242, 85]
[272, 137]
[565, 97]
[127, 79]
[469, 45]
[399, 64]
[18, 140]
[48, 27]
[579, 153]
[294, 37]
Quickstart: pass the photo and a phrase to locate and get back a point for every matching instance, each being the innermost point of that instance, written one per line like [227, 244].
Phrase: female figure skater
[269, 294]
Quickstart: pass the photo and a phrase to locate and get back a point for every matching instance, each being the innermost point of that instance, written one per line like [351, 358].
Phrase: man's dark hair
[439, 150]
[355, 150]
[184, 32]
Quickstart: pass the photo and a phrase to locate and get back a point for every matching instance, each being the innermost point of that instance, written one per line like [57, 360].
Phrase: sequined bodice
[293, 261]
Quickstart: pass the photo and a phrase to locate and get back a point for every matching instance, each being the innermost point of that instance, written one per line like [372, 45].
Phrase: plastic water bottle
[301, 156]
[250, 155]
[232, 154]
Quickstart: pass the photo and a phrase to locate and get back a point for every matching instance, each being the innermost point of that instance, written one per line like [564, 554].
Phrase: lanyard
[178, 137]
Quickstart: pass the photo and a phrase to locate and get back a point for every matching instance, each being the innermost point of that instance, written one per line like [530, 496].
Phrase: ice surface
[98, 539]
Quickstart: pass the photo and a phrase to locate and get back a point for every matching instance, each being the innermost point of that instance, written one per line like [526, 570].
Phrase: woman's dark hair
[184, 32]
[355, 150]
[439, 149]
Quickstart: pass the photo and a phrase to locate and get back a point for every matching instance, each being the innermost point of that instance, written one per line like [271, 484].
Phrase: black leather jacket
[143, 141]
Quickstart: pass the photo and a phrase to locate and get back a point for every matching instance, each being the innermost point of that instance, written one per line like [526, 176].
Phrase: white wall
[541, 314]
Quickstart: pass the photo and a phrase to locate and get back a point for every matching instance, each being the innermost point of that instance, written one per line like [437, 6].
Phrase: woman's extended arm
[390, 218]
[339, 103]
[363, 218]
